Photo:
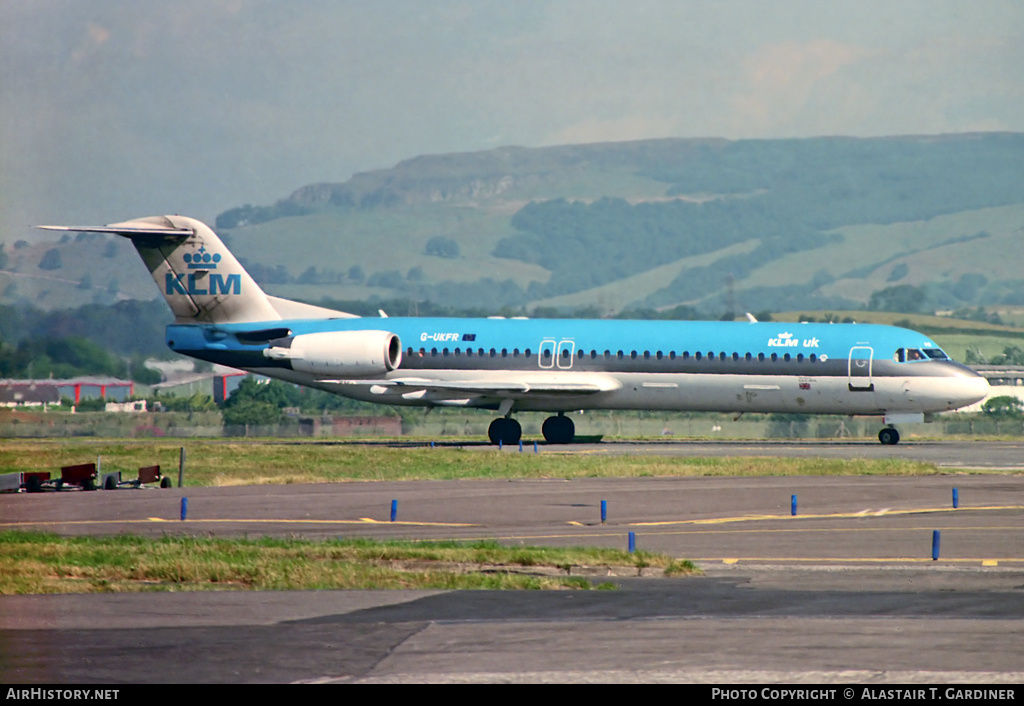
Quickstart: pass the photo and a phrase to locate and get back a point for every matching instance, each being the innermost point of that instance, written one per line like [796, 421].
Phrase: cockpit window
[904, 355]
[909, 355]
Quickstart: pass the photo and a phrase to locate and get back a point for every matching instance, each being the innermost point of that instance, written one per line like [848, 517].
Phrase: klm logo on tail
[187, 284]
[202, 260]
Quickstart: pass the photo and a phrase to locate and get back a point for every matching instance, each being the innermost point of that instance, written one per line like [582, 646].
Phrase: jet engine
[341, 353]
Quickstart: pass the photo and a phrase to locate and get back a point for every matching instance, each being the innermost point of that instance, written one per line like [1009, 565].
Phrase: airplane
[551, 365]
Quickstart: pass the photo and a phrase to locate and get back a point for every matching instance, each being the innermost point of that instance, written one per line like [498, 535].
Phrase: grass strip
[223, 463]
[36, 562]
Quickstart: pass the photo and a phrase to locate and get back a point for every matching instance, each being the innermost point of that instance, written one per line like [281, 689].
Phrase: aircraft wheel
[504, 430]
[110, 483]
[33, 485]
[889, 436]
[165, 482]
[558, 430]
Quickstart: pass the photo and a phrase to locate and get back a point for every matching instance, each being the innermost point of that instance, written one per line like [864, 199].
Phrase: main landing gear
[889, 436]
[556, 430]
[504, 430]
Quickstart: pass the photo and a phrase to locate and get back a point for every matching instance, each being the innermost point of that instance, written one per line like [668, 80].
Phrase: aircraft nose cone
[968, 390]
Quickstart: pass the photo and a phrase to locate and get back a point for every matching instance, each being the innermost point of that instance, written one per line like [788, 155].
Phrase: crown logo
[202, 260]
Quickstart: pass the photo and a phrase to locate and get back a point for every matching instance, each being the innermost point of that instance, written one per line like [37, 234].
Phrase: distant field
[379, 241]
[924, 246]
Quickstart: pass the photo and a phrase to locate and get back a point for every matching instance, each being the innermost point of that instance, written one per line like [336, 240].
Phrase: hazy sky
[112, 109]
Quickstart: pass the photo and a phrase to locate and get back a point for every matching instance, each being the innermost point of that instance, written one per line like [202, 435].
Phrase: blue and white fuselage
[554, 365]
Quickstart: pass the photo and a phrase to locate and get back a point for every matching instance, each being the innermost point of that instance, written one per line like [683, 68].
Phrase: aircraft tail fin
[198, 276]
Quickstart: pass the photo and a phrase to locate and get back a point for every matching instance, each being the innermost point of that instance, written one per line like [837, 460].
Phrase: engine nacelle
[342, 353]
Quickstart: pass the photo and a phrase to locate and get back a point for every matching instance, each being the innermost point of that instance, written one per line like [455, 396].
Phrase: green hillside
[716, 225]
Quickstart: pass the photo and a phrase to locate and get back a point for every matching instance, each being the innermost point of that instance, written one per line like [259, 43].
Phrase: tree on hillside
[441, 246]
[904, 298]
[51, 260]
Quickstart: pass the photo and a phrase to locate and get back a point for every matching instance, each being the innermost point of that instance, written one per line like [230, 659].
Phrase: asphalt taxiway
[845, 590]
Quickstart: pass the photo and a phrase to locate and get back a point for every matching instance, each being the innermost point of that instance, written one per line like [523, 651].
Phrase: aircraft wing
[441, 389]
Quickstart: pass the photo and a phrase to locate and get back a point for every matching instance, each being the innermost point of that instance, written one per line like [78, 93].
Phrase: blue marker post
[935, 545]
[184, 508]
[632, 542]
[956, 498]
[535, 447]
[604, 511]
[792, 506]
[520, 446]
[394, 510]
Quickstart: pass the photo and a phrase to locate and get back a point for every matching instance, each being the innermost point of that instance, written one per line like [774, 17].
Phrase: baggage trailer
[147, 475]
[78, 477]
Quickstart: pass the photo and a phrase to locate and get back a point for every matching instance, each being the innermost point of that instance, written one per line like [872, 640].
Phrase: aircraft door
[859, 369]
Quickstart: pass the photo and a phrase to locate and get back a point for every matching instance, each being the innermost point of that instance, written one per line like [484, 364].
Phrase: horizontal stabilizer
[143, 226]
